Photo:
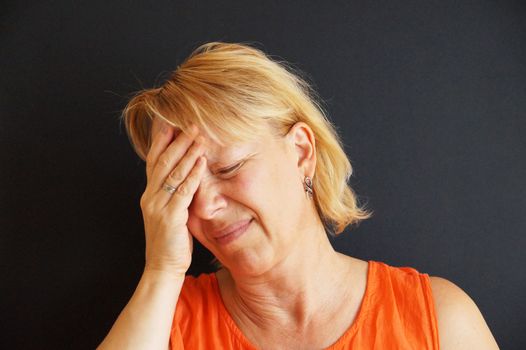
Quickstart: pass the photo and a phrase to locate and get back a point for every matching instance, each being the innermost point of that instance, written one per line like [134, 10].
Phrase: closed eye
[231, 169]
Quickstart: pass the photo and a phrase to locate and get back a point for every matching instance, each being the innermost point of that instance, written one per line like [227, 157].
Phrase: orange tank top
[397, 312]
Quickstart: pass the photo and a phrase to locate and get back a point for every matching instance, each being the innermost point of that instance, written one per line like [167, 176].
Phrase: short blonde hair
[234, 90]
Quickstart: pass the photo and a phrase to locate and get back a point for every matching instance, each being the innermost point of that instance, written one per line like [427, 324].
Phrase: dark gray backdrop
[430, 97]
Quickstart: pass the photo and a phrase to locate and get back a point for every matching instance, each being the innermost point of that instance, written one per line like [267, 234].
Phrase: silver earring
[307, 184]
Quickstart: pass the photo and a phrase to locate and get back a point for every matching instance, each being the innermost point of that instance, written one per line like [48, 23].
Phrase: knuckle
[182, 189]
[145, 203]
[176, 176]
[196, 149]
[164, 161]
[146, 206]
[143, 200]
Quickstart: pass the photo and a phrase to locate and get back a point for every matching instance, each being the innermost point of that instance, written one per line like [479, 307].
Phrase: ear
[301, 139]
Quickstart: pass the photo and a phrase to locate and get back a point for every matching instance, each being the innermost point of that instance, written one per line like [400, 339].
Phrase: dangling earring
[307, 185]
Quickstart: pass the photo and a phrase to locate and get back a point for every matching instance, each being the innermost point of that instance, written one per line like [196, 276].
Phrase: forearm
[146, 321]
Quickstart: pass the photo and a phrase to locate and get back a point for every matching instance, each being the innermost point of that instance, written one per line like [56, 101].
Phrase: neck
[301, 292]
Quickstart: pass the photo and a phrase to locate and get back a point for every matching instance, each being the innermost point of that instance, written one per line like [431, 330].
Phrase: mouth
[234, 232]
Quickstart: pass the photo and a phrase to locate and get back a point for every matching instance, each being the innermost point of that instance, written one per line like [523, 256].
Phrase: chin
[249, 262]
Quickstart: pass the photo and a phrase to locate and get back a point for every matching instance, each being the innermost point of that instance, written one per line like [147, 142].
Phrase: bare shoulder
[460, 322]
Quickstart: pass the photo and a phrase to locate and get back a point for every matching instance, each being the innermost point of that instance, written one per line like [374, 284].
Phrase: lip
[232, 232]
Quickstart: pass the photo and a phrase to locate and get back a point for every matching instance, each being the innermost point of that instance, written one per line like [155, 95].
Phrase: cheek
[254, 192]
[288, 195]
[273, 189]
[248, 183]
[246, 191]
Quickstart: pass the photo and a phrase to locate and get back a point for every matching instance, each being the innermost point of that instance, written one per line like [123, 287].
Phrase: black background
[430, 97]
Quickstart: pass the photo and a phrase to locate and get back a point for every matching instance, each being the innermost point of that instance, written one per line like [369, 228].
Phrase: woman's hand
[179, 164]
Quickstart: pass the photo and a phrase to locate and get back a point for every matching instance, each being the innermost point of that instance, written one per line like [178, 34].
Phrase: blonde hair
[232, 91]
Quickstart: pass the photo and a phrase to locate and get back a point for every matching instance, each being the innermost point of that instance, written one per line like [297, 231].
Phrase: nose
[208, 200]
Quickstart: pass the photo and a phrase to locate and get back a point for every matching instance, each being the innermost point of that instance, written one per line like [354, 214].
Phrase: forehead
[221, 154]
[217, 154]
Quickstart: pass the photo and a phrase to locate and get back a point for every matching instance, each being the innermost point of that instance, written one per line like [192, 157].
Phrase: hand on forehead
[226, 151]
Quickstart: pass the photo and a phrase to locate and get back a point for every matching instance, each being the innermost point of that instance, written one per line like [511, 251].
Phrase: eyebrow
[231, 164]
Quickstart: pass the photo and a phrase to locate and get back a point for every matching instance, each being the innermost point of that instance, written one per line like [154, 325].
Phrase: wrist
[162, 275]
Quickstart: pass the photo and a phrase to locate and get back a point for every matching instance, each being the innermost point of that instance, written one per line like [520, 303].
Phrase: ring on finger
[169, 188]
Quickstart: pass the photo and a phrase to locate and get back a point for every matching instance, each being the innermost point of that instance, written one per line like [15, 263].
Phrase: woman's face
[259, 183]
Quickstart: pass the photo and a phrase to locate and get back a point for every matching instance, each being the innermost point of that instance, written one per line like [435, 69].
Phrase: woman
[240, 156]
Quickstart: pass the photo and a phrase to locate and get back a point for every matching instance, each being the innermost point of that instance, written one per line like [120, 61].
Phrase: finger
[182, 198]
[161, 142]
[162, 137]
[171, 157]
[183, 168]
